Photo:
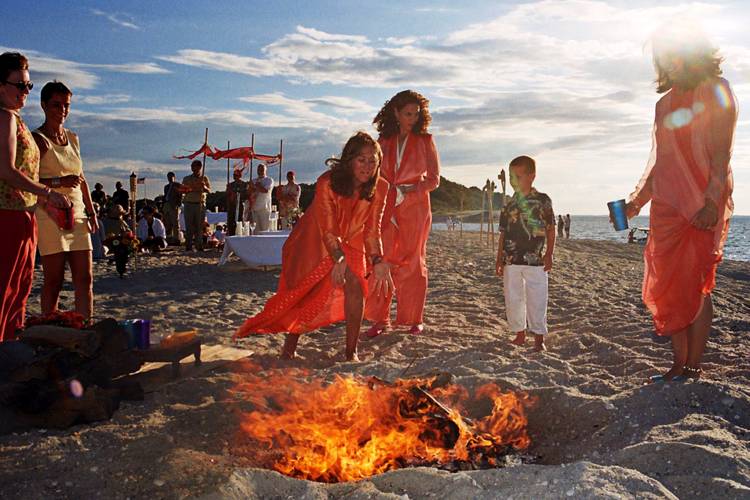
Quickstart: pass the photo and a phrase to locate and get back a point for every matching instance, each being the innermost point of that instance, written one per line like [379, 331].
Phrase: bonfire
[353, 428]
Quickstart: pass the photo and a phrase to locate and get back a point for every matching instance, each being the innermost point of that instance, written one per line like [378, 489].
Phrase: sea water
[598, 227]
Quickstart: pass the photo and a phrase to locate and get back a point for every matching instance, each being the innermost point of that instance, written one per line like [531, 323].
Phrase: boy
[527, 226]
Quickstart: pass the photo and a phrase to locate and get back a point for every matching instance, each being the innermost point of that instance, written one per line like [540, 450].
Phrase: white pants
[525, 290]
[260, 216]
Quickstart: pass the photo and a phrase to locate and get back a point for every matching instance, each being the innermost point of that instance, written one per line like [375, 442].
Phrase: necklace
[57, 136]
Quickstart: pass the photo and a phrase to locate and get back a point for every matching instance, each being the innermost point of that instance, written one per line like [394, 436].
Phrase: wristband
[338, 256]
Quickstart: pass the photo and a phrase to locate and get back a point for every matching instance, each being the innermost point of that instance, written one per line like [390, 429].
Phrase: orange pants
[405, 247]
[17, 255]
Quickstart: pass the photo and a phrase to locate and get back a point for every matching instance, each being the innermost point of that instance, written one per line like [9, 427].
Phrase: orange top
[306, 298]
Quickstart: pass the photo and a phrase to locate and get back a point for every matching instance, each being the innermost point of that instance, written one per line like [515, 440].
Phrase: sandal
[417, 329]
[692, 373]
[376, 330]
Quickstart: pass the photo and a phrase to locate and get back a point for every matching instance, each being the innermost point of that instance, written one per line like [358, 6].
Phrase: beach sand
[597, 430]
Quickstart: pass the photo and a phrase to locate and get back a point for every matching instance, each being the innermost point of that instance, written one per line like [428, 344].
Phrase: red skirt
[17, 253]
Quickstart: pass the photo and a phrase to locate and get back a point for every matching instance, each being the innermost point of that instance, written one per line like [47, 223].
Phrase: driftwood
[56, 376]
[84, 342]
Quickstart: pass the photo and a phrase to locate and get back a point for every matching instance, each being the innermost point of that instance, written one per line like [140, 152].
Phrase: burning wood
[352, 428]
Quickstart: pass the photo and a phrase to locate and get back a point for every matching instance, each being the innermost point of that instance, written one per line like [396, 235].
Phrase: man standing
[261, 204]
[288, 197]
[236, 196]
[171, 209]
[195, 187]
[567, 226]
[121, 197]
[98, 195]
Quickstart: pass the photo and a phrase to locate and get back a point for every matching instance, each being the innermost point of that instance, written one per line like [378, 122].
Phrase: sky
[568, 82]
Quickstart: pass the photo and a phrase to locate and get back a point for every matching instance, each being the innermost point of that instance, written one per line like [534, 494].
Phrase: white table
[216, 217]
[257, 250]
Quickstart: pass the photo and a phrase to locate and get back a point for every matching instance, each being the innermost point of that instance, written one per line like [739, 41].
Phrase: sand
[598, 431]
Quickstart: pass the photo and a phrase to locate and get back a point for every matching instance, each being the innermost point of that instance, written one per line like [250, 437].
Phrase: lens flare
[722, 96]
[76, 388]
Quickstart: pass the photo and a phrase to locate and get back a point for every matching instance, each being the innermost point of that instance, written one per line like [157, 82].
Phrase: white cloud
[122, 20]
[103, 99]
[139, 68]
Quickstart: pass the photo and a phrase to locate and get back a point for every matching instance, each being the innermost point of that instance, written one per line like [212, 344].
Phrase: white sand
[597, 430]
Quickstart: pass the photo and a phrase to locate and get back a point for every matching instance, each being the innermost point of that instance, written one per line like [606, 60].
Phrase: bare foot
[352, 357]
[520, 339]
[539, 343]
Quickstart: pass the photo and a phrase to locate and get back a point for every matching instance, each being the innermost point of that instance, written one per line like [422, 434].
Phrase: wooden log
[84, 342]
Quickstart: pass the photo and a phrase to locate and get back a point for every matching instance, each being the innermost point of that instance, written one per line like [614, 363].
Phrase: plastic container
[618, 215]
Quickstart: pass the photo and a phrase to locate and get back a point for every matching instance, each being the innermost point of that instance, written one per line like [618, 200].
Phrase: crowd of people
[362, 242]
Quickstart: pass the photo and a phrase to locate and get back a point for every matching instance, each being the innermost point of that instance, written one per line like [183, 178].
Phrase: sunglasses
[21, 85]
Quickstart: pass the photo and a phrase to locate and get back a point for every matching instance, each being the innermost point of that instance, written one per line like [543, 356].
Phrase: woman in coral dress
[412, 167]
[328, 253]
[689, 184]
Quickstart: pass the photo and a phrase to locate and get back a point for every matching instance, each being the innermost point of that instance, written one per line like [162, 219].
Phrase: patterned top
[524, 221]
[27, 162]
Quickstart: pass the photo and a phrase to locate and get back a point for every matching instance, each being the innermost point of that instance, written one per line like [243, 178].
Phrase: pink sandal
[376, 330]
[417, 329]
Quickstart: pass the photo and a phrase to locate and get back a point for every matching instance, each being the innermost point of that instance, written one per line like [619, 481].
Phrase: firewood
[84, 342]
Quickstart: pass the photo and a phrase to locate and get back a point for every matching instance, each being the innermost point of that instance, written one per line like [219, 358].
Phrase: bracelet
[338, 256]
[377, 259]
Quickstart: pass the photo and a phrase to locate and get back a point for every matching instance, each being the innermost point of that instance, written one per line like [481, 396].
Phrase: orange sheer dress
[306, 298]
[692, 143]
[406, 227]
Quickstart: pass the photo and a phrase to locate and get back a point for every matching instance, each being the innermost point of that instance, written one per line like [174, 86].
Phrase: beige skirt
[53, 240]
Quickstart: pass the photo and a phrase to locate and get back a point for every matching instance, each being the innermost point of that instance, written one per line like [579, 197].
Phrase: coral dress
[406, 226]
[689, 164]
[306, 298]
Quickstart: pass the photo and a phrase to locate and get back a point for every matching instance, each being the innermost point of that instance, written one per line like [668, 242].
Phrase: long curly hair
[385, 120]
[342, 176]
[686, 42]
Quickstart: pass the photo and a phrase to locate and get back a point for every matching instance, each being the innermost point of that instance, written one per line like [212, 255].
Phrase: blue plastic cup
[130, 328]
[618, 215]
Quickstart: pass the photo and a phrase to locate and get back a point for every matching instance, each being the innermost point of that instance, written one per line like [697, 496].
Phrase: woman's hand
[70, 181]
[93, 224]
[707, 217]
[58, 200]
[383, 284]
[499, 266]
[631, 210]
[339, 273]
[407, 188]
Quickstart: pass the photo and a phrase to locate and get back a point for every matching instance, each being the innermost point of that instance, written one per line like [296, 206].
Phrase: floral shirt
[27, 162]
[524, 221]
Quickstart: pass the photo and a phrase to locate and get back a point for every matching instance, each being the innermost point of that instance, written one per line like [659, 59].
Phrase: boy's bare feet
[520, 339]
[539, 343]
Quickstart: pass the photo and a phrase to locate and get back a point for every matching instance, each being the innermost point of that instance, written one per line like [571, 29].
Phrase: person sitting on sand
[527, 226]
[151, 231]
[339, 237]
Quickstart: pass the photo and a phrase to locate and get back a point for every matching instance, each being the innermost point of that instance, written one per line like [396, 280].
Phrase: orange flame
[352, 428]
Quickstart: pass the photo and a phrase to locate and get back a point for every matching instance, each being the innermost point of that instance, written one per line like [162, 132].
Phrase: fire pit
[353, 428]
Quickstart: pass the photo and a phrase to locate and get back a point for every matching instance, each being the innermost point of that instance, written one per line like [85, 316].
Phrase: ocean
[597, 227]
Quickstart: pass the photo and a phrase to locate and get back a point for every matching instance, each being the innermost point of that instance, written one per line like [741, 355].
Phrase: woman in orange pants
[689, 184]
[325, 259]
[412, 167]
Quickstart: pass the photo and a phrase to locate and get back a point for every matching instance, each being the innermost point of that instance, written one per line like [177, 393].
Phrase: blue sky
[566, 81]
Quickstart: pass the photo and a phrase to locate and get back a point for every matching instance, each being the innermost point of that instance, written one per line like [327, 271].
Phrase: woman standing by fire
[412, 167]
[325, 258]
[689, 184]
[20, 191]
